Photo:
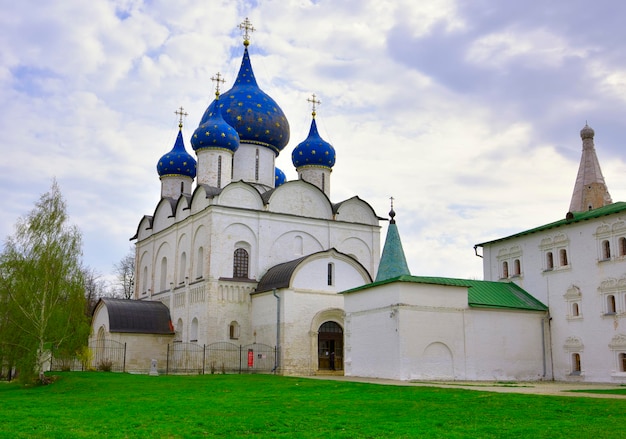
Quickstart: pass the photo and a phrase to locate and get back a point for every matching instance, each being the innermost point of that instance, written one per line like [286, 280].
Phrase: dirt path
[536, 388]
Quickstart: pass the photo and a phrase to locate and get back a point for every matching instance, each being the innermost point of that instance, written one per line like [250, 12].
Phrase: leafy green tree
[42, 288]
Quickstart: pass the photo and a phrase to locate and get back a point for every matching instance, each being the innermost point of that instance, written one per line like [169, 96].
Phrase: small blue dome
[314, 151]
[279, 177]
[256, 117]
[214, 132]
[178, 161]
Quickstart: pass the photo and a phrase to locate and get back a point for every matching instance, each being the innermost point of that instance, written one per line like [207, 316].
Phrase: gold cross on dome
[217, 79]
[180, 112]
[246, 28]
[314, 102]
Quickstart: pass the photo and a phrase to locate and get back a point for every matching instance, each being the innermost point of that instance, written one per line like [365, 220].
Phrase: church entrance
[330, 346]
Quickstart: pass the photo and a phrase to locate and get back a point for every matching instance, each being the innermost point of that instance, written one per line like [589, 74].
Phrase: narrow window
[610, 304]
[622, 246]
[193, 332]
[219, 172]
[517, 267]
[145, 280]
[182, 187]
[622, 362]
[549, 261]
[575, 310]
[240, 264]
[606, 250]
[505, 270]
[256, 166]
[200, 263]
[323, 182]
[331, 269]
[563, 257]
[233, 330]
[576, 364]
[183, 268]
[163, 284]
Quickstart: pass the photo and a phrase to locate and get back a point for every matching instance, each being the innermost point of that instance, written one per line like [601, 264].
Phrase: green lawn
[99, 404]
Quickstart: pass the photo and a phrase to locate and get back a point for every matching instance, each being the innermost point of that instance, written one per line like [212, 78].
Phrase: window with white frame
[509, 259]
[573, 298]
[555, 251]
[233, 330]
[574, 348]
[613, 293]
[618, 347]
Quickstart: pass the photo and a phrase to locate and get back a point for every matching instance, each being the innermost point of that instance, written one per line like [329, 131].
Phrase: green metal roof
[576, 217]
[481, 293]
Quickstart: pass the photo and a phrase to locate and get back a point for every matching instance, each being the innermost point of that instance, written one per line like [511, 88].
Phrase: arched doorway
[330, 346]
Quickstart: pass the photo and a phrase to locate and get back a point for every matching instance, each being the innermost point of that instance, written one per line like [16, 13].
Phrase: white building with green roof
[577, 267]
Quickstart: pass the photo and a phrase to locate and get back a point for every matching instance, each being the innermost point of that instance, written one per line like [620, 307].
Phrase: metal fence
[220, 357]
[182, 358]
[107, 355]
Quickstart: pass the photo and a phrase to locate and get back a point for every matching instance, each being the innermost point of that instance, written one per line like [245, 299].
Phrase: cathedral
[233, 253]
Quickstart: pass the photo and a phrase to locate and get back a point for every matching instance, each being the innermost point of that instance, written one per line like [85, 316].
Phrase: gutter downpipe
[277, 331]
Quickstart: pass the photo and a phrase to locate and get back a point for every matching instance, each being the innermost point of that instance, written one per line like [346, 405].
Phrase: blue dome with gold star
[256, 117]
[178, 161]
[214, 132]
[314, 151]
[279, 177]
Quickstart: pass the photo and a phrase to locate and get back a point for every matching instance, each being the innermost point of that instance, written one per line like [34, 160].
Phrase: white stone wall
[410, 331]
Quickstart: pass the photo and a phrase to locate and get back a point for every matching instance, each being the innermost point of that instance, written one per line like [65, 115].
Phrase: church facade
[239, 255]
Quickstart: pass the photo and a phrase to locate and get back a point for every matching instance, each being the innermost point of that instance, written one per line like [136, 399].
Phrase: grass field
[99, 404]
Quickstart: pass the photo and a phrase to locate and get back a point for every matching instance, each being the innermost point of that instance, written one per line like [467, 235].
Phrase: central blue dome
[256, 117]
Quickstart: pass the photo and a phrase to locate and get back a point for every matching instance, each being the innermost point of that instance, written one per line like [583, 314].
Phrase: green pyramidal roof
[392, 262]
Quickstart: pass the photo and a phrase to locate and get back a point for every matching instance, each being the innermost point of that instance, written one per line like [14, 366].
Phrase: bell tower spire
[590, 190]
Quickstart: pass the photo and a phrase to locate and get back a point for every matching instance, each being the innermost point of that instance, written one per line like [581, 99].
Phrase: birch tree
[42, 287]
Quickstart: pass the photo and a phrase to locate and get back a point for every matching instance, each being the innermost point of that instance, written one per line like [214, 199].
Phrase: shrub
[105, 365]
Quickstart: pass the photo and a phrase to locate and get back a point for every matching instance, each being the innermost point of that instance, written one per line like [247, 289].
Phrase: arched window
[144, 280]
[563, 257]
[183, 268]
[517, 267]
[622, 246]
[606, 250]
[193, 332]
[622, 362]
[200, 263]
[576, 369]
[233, 330]
[575, 310]
[610, 304]
[178, 336]
[240, 264]
[256, 165]
[549, 261]
[331, 273]
[163, 280]
[219, 171]
[505, 270]
[182, 187]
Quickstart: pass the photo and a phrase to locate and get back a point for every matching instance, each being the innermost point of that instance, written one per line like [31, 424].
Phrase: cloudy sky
[467, 112]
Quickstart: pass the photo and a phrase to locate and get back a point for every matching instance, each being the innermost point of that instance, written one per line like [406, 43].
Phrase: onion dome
[279, 177]
[314, 151]
[214, 132]
[178, 161]
[587, 132]
[256, 117]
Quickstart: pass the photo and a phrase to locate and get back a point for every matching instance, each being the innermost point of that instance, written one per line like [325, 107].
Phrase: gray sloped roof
[279, 275]
[138, 316]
